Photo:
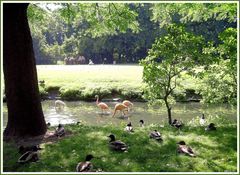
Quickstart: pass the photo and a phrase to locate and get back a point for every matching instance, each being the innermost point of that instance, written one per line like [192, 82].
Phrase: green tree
[170, 55]
[25, 115]
[219, 80]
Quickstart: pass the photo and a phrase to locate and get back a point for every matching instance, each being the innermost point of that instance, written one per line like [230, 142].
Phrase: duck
[184, 149]
[211, 127]
[23, 149]
[101, 105]
[202, 120]
[156, 135]
[177, 124]
[141, 123]
[129, 127]
[128, 104]
[48, 124]
[60, 131]
[117, 145]
[85, 166]
[31, 155]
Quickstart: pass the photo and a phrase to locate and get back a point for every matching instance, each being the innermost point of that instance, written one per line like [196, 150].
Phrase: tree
[219, 80]
[25, 116]
[170, 55]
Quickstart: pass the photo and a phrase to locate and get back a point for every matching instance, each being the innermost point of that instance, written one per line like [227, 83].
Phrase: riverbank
[83, 82]
[216, 151]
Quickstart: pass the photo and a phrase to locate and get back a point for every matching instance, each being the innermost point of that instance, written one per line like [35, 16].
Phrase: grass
[216, 151]
[83, 82]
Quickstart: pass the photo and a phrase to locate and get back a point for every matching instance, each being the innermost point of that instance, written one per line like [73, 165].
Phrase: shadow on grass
[216, 151]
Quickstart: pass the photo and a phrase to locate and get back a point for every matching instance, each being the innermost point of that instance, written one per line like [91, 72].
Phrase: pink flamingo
[119, 107]
[101, 105]
[128, 104]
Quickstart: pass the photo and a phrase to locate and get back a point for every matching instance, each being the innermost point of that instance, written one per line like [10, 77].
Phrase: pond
[90, 114]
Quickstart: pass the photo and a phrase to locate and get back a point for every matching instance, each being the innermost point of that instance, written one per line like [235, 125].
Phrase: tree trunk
[169, 112]
[25, 116]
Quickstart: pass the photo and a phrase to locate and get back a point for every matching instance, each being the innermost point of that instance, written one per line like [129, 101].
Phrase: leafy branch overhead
[167, 13]
[101, 18]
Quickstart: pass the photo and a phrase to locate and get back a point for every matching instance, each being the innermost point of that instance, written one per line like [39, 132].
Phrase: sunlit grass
[83, 82]
[216, 151]
[89, 75]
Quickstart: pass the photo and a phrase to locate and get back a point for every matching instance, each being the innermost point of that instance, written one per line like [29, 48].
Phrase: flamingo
[59, 105]
[101, 105]
[128, 104]
[119, 107]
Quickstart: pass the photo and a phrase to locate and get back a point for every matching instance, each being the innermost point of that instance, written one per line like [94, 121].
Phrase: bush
[70, 94]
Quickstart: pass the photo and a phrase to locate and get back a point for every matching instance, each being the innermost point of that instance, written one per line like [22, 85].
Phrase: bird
[156, 135]
[202, 120]
[128, 104]
[116, 144]
[129, 127]
[30, 155]
[101, 105]
[60, 131]
[48, 124]
[141, 123]
[211, 127]
[177, 124]
[85, 166]
[59, 105]
[23, 149]
[184, 149]
[119, 107]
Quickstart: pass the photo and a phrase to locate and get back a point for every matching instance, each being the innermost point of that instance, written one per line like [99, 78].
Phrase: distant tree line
[57, 40]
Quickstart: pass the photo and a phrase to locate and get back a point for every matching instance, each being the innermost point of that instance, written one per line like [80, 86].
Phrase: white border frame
[27, 1]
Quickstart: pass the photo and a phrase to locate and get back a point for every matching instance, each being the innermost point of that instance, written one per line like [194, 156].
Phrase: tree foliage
[166, 13]
[170, 55]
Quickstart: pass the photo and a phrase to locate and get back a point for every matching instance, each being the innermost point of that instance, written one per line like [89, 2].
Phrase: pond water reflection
[90, 114]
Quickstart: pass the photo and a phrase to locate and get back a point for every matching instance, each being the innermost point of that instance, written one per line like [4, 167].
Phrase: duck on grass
[202, 152]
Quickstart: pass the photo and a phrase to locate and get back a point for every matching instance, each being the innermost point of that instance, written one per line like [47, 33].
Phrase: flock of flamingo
[126, 105]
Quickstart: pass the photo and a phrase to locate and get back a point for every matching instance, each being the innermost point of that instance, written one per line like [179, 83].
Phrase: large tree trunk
[25, 116]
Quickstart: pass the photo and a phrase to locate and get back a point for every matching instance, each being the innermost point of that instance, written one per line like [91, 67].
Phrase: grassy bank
[216, 151]
[83, 82]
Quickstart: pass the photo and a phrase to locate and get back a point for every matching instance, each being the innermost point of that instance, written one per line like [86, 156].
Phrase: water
[90, 114]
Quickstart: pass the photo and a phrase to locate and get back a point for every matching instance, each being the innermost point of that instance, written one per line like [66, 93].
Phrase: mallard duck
[156, 135]
[85, 166]
[202, 120]
[129, 127]
[141, 123]
[59, 132]
[23, 149]
[29, 156]
[116, 144]
[211, 127]
[48, 124]
[184, 149]
[177, 124]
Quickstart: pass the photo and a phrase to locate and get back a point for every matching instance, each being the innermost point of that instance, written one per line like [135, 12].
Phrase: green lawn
[216, 151]
[80, 75]
[83, 82]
